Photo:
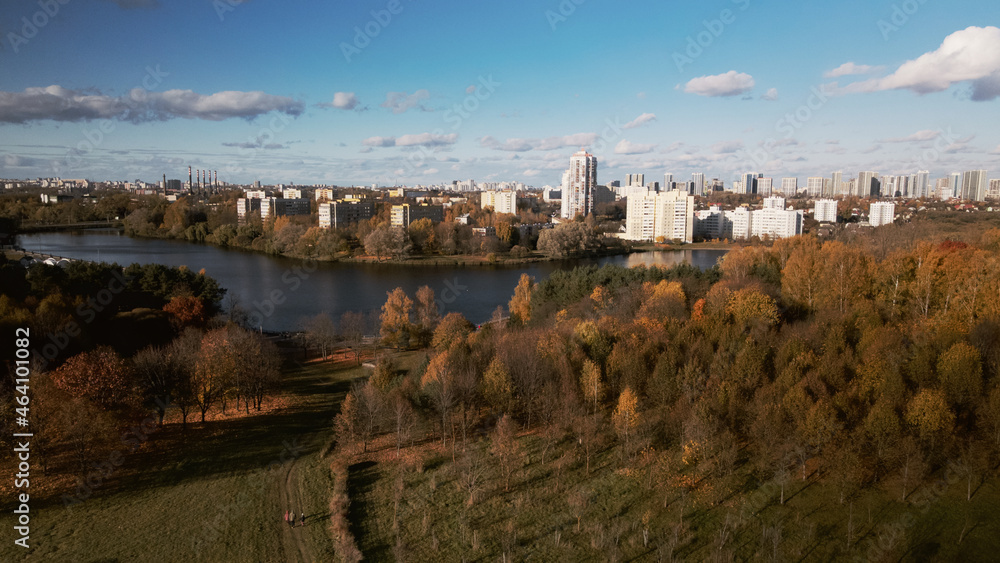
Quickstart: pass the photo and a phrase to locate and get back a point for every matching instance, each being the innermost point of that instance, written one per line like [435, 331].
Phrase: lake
[284, 291]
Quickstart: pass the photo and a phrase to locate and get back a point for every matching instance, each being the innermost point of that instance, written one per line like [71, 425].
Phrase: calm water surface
[255, 279]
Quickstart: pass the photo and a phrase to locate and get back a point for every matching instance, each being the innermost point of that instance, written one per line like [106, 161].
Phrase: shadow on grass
[361, 481]
[233, 446]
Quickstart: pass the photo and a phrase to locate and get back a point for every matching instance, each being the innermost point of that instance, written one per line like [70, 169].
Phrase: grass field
[625, 515]
[217, 494]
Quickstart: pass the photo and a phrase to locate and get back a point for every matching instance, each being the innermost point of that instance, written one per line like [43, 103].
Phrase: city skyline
[396, 93]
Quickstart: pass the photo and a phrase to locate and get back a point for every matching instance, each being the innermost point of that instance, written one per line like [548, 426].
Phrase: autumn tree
[591, 383]
[187, 311]
[452, 328]
[505, 448]
[439, 385]
[520, 303]
[395, 318]
[426, 315]
[626, 417]
[929, 415]
[961, 374]
[321, 333]
[498, 389]
[749, 305]
[100, 376]
[802, 278]
[846, 273]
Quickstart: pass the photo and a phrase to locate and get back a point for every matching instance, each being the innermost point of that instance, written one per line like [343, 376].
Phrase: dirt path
[289, 497]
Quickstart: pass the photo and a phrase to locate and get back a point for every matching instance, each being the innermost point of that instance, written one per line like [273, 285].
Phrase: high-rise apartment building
[698, 179]
[789, 186]
[955, 182]
[501, 202]
[868, 185]
[764, 186]
[881, 213]
[826, 211]
[578, 185]
[974, 184]
[993, 192]
[814, 186]
[837, 183]
[666, 216]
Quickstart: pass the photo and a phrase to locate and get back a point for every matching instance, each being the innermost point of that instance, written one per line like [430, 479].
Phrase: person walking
[303, 518]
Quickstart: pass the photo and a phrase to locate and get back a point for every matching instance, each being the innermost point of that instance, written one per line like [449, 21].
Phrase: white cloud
[399, 102]
[16, 161]
[731, 83]
[427, 140]
[996, 150]
[530, 172]
[626, 147]
[924, 135]
[771, 95]
[412, 140]
[546, 144]
[727, 147]
[970, 55]
[641, 95]
[848, 69]
[379, 142]
[430, 171]
[640, 121]
[62, 104]
[344, 100]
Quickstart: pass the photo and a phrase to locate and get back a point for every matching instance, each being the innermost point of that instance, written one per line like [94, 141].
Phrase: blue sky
[291, 93]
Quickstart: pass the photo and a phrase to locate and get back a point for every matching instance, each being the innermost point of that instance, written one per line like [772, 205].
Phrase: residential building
[920, 184]
[994, 190]
[881, 213]
[246, 206]
[748, 183]
[814, 186]
[501, 202]
[256, 194]
[663, 216]
[774, 222]
[826, 211]
[789, 186]
[343, 212]
[955, 182]
[291, 193]
[279, 207]
[699, 183]
[737, 224]
[404, 214]
[764, 186]
[837, 184]
[578, 185]
[974, 185]
[323, 194]
[708, 223]
[868, 185]
[635, 179]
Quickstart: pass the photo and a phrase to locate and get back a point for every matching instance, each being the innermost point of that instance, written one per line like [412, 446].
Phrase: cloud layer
[400, 102]
[62, 104]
